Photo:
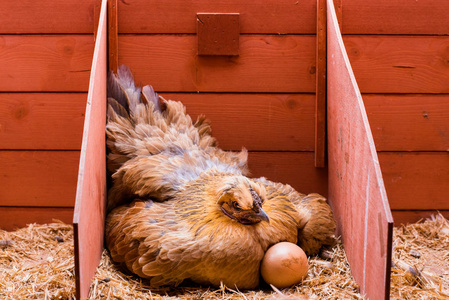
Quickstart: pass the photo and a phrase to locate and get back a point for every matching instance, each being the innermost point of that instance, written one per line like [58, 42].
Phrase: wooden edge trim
[77, 261]
[321, 83]
[112, 36]
[389, 259]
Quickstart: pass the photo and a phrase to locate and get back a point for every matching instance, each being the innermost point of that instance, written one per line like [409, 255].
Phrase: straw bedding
[37, 262]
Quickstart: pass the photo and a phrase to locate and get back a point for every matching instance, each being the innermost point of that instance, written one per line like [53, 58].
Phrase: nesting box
[349, 99]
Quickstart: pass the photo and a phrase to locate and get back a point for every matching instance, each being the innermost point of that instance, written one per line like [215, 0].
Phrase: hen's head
[241, 199]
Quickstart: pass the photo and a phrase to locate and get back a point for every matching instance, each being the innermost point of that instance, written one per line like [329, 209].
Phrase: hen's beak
[261, 215]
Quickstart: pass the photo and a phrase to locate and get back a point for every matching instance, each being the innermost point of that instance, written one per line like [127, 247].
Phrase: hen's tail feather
[144, 126]
[122, 89]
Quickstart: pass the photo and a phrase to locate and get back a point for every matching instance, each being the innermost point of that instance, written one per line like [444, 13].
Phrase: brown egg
[284, 265]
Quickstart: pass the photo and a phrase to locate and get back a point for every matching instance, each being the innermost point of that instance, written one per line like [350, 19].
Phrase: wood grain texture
[39, 63]
[395, 17]
[218, 33]
[112, 35]
[271, 16]
[265, 64]
[416, 180]
[90, 203]
[41, 120]
[38, 178]
[356, 190]
[294, 168]
[409, 122]
[46, 16]
[17, 217]
[320, 93]
[400, 64]
[262, 122]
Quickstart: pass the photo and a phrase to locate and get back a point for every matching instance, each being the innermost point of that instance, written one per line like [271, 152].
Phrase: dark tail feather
[116, 91]
[150, 96]
[122, 89]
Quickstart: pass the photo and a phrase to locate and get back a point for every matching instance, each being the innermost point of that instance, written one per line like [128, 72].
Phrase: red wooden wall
[46, 52]
[399, 53]
[263, 99]
[399, 57]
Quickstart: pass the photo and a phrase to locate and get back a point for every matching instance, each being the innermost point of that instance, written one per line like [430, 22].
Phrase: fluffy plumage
[181, 208]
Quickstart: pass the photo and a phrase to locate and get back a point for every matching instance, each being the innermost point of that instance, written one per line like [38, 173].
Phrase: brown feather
[181, 208]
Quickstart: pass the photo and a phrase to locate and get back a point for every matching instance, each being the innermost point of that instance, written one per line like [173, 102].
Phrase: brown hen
[181, 208]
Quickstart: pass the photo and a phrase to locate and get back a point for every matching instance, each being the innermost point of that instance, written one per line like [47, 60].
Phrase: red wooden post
[112, 35]
[320, 105]
[356, 188]
[89, 215]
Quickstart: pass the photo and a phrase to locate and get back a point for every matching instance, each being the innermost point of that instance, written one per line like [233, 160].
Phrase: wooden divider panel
[356, 189]
[89, 216]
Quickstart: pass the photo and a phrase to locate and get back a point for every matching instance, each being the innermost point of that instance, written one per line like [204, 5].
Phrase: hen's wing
[154, 148]
[319, 231]
[316, 225]
[151, 240]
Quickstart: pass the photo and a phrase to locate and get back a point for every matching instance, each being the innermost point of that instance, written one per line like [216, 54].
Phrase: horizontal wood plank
[271, 16]
[395, 17]
[38, 178]
[41, 120]
[262, 122]
[409, 122]
[400, 64]
[45, 62]
[413, 216]
[18, 217]
[48, 178]
[294, 168]
[283, 64]
[416, 180]
[46, 16]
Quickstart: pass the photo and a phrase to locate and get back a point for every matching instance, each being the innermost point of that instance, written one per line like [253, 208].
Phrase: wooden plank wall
[46, 52]
[263, 99]
[399, 53]
[399, 57]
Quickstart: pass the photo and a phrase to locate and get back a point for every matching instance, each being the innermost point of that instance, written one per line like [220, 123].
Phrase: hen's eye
[235, 205]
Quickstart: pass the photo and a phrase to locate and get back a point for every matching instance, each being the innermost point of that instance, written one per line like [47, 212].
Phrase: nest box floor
[37, 262]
